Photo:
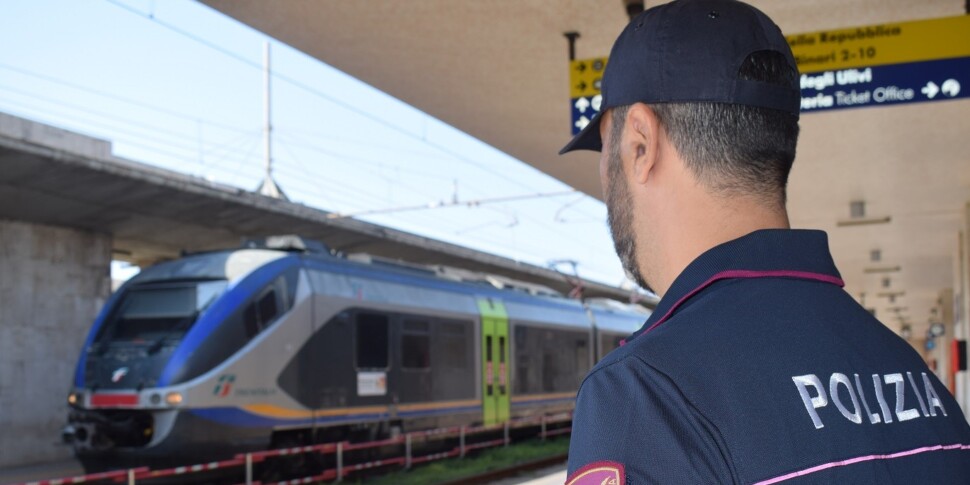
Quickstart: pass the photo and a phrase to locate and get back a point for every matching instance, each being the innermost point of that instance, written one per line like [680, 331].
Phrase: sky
[178, 85]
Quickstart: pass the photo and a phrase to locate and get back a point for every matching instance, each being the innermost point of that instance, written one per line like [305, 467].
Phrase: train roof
[233, 264]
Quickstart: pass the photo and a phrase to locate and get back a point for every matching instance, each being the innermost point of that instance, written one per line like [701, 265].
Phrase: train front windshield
[158, 312]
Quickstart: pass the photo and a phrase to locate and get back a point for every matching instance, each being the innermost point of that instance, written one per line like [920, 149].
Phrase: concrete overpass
[54, 177]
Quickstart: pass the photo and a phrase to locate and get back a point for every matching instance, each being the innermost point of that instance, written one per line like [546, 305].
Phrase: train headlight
[173, 398]
[73, 399]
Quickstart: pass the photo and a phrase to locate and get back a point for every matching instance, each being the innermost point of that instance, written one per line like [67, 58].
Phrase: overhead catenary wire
[417, 137]
[453, 203]
[122, 99]
[129, 125]
[140, 140]
[249, 140]
[334, 100]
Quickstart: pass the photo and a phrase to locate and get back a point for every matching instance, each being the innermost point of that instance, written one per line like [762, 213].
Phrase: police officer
[756, 367]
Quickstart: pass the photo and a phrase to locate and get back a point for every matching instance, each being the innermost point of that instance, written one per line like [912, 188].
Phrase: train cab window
[415, 345]
[163, 311]
[372, 341]
[260, 314]
[266, 306]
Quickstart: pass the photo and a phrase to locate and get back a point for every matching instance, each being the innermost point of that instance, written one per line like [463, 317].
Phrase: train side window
[452, 346]
[372, 341]
[415, 345]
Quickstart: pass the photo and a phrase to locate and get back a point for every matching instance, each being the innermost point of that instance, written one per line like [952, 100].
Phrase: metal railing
[407, 459]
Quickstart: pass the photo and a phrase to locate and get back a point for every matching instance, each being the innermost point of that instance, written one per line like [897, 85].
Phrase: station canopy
[499, 71]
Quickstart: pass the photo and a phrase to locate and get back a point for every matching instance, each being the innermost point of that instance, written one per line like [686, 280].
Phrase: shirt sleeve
[632, 417]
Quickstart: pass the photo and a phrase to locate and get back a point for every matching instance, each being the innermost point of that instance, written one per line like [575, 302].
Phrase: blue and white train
[231, 351]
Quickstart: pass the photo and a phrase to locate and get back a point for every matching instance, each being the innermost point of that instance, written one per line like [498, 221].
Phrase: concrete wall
[53, 281]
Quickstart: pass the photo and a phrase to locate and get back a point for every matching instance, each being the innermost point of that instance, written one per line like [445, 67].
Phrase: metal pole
[461, 441]
[249, 468]
[507, 433]
[543, 427]
[571, 37]
[340, 462]
[407, 451]
[267, 126]
[131, 476]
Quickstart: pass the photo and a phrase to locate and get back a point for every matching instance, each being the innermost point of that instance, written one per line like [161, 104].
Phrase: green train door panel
[495, 358]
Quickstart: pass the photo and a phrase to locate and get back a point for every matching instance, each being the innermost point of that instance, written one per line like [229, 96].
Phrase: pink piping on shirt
[731, 274]
[851, 461]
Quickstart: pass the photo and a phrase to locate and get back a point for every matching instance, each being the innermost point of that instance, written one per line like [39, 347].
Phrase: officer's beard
[619, 215]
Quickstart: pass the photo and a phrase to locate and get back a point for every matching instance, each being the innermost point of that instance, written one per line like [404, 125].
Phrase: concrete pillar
[944, 344]
[961, 306]
[53, 281]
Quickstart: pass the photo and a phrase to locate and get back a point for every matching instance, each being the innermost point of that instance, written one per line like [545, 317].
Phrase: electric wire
[178, 140]
[329, 98]
[446, 150]
[336, 101]
[121, 99]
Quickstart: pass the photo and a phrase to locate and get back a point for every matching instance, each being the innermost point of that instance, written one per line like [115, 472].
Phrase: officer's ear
[641, 141]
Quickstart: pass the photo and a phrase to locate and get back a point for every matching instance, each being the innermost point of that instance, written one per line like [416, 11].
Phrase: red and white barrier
[247, 460]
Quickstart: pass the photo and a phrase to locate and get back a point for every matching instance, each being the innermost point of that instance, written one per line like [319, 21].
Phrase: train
[284, 342]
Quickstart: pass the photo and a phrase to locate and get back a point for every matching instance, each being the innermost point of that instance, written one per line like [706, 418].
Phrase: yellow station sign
[585, 76]
[877, 45]
[921, 60]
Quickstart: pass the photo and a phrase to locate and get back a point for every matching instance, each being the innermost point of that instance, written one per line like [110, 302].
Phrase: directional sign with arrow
[585, 76]
[911, 82]
[921, 61]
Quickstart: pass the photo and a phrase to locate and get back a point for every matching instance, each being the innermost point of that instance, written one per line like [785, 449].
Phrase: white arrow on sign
[582, 104]
[951, 87]
[930, 89]
[582, 122]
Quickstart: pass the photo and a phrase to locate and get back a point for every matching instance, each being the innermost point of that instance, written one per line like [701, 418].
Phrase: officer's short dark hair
[733, 149]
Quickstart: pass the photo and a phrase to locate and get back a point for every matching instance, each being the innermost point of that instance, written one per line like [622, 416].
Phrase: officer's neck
[697, 221]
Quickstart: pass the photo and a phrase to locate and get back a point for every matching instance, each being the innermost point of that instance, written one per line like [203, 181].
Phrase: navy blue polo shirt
[757, 367]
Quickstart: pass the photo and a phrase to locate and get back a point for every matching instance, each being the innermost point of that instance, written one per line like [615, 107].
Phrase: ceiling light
[883, 269]
[857, 209]
[864, 221]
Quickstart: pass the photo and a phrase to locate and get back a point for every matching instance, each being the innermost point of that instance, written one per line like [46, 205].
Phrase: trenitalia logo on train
[283, 343]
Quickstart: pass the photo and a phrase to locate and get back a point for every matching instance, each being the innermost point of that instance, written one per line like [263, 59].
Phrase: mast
[269, 187]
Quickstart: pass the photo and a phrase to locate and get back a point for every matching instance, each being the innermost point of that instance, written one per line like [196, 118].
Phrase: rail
[248, 461]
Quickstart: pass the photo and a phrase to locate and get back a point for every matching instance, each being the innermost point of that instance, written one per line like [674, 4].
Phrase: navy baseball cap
[691, 51]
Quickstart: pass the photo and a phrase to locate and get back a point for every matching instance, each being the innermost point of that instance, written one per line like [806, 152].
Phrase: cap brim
[588, 138]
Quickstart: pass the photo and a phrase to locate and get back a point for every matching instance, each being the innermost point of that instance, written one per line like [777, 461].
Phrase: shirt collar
[766, 253]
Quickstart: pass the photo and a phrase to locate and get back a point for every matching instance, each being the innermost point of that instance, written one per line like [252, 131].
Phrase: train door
[495, 357]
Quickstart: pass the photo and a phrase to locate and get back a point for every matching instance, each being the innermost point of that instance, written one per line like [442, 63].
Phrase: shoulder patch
[599, 473]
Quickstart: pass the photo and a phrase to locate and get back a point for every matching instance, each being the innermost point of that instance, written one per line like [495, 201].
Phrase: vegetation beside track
[475, 464]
